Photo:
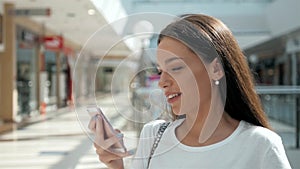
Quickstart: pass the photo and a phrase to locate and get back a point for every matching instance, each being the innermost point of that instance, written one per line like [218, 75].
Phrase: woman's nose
[165, 80]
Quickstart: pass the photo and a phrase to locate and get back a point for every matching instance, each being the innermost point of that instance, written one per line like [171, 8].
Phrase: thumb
[118, 131]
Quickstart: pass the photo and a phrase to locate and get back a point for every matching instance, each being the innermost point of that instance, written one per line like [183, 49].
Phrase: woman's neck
[207, 124]
[198, 132]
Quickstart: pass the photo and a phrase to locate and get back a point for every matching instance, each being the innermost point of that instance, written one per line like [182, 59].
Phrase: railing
[282, 103]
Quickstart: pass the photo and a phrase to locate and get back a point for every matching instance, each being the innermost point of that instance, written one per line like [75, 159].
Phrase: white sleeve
[275, 157]
[146, 140]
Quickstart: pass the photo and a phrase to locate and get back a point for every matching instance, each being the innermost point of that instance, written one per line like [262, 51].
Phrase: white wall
[283, 16]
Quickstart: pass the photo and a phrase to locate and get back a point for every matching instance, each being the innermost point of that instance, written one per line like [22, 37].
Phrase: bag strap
[158, 136]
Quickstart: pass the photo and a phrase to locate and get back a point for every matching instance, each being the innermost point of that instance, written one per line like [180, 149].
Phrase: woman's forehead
[168, 43]
[170, 49]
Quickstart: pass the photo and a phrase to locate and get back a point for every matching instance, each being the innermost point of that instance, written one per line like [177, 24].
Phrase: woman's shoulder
[151, 128]
[154, 123]
[259, 133]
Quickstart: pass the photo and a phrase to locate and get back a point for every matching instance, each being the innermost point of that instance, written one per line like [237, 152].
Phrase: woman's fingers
[99, 132]
[101, 151]
[92, 124]
[107, 156]
[105, 143]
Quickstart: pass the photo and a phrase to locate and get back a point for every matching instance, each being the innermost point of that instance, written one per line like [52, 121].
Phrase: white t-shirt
[248, 147]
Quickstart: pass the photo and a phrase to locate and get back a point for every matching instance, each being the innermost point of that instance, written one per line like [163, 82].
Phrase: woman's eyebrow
[172, 59]
[168, 61]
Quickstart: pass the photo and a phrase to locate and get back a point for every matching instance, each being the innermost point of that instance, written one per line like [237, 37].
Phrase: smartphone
[108, 129]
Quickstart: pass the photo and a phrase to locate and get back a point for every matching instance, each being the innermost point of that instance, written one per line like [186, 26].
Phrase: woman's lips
[173, 97]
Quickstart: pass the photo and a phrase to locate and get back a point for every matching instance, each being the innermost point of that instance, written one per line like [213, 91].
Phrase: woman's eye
[177, 68]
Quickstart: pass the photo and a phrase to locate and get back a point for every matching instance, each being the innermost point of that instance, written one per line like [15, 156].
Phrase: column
[58, 68]
[8, 102]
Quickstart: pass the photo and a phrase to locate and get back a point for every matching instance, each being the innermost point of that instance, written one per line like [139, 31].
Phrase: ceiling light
[91, 12]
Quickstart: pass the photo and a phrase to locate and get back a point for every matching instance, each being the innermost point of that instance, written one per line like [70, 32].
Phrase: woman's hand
[112, 159]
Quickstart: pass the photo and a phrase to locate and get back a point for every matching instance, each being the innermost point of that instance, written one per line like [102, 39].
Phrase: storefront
[277, 61]
[56, 73]
[35, 79]
[26, 58]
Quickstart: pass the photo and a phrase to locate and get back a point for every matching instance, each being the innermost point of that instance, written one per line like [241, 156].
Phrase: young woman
[218, 118]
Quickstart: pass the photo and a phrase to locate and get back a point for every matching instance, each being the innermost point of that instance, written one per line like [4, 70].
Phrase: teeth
[172, 96]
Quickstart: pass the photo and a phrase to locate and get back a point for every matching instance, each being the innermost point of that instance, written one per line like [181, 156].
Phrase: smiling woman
[218, 119]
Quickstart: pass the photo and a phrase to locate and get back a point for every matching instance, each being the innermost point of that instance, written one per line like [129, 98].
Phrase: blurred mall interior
[57, 56]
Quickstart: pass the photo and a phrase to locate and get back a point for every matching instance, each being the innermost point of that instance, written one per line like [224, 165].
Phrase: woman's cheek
[190, 94]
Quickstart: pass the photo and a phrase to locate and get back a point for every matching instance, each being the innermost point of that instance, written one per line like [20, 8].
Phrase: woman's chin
[177, 112]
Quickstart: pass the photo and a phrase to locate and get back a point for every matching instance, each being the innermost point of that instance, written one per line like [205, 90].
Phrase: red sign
[54, 43]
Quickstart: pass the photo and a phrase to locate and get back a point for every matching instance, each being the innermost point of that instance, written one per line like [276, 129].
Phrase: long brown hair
[202, 33]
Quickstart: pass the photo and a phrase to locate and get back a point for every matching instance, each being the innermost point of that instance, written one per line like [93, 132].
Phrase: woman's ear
[217, 71]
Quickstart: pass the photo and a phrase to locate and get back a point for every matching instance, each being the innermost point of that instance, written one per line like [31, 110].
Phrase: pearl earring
[217, 82]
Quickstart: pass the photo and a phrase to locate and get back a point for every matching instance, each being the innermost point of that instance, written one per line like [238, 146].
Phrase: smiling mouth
[173, 97]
